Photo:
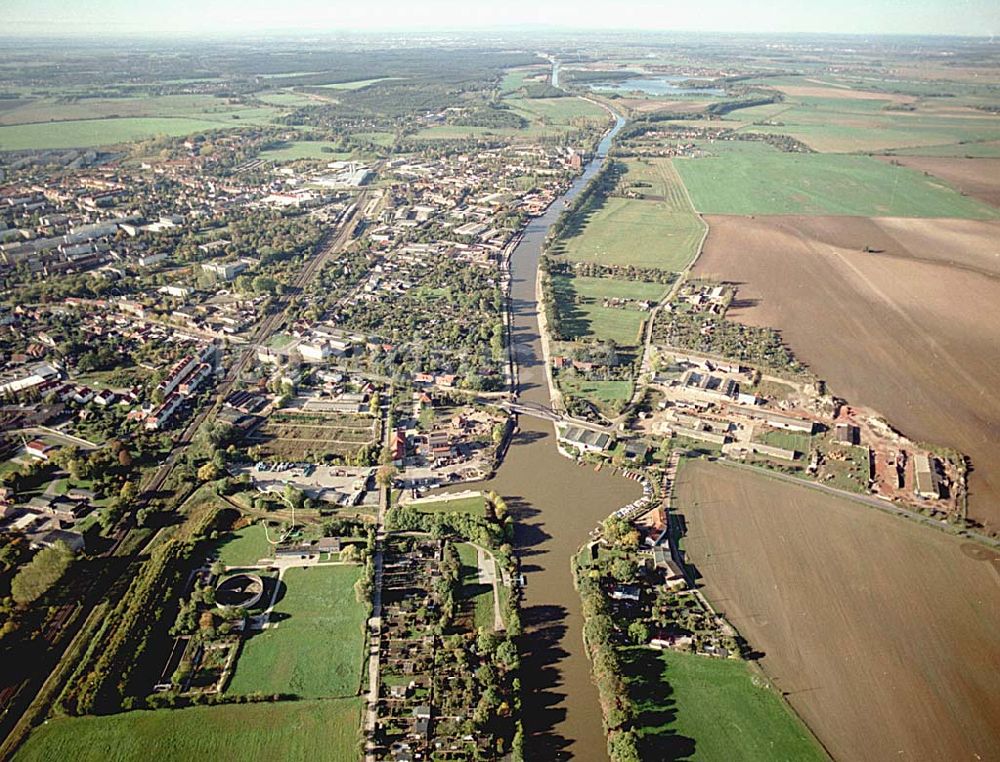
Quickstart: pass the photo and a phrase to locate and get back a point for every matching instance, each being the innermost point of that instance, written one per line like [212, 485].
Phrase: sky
[234, 17]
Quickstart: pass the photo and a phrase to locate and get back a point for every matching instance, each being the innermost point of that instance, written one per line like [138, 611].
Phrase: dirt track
[979, 178]
[912, 331]
[884, 634]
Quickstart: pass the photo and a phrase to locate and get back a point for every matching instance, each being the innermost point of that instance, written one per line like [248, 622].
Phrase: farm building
[926, 482]
[779, 420]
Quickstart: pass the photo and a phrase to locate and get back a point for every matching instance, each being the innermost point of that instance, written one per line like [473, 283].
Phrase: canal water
[556, 503]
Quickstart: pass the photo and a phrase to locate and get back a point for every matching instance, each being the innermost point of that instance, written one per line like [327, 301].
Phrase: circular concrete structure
[243, 590]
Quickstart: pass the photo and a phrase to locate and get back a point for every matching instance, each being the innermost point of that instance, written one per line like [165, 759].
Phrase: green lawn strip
[245, 547]
[582, 313]
[474, 505]
[481, 596]
[287, 730]
[635, 232]
[696, 707]
[757, 179]
[304, 149]
[316, 649]
[601, 393]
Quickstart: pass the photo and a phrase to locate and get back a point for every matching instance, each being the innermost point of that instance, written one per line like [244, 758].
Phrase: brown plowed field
[885, 635]
[912, 332]
[979, 178]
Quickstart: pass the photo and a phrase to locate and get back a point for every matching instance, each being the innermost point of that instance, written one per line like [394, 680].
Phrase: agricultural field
[582, 314]
[756, 179]
[293, 730]
[693, 707]
[657, 179]
[316, 648]
[89, 133]
[635, 232]
[557, 111]
[907, 607]
[208, 107]
[356, 84]
[314, 150]
[873, 321]
[979, 178]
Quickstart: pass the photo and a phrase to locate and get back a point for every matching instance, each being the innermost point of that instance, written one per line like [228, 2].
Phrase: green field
[304, 149]
[582, 314]
[557, 111]
[480, 597]
[378, 138]
[699, 708]
[602, 393]
[245, 547]
[289, 730]
[89, 133]
[635, 232]
[986, 150]
[475, 504]
[788, 440]
[845, 125]
[753, 178]
[316, 649]
[44, 110]
[657, 178]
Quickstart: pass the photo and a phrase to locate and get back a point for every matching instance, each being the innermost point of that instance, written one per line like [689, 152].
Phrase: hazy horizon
[226, 18]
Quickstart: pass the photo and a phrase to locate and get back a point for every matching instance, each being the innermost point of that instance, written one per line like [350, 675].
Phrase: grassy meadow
[288, 730]
[635, 232]
[316, 648]
[695, 707]
[582, 314]
[245, 547]
[753, 178]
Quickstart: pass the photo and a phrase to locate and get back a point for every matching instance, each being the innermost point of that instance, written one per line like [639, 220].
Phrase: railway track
[62, 627]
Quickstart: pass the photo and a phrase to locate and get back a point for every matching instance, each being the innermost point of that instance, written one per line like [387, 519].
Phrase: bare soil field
[979, 178]
[882, 634]
[830, 91]
[910, 331]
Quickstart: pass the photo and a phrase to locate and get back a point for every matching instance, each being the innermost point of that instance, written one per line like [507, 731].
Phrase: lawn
[583, 315]
[699, 708]
[479, 596]
[245, 547]
[604, 394]
[754, 178]
[316, 649]
[634, 232]
[288, 730]
[473, 504]
[789, 440]
[304, 149]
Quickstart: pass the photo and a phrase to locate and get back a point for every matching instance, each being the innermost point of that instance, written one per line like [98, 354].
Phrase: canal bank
[556, 502]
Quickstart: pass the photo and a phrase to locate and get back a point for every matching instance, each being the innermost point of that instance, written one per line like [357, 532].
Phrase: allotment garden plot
[300, 436]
